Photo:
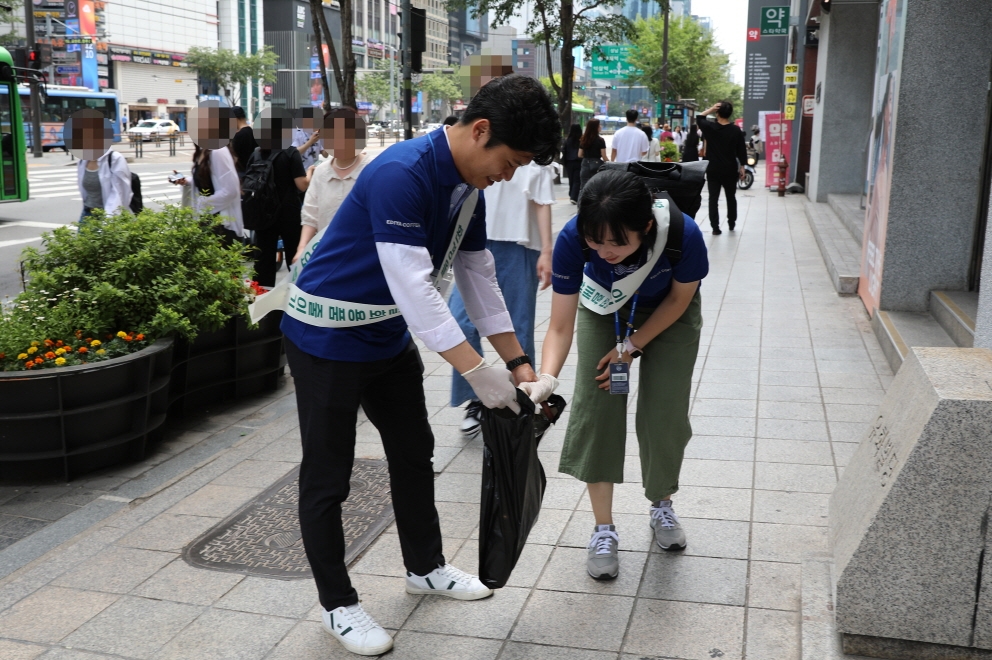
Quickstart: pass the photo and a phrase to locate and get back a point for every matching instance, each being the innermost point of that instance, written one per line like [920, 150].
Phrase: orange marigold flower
[29, 365]
[49, 355]
[127, 338]
[2, 355]
[83, 349]
[88, 339]
[59, 343]
[140, 337]
[48, 342]
[38, 360]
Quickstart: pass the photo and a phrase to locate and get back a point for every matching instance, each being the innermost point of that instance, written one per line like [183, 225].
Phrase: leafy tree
[12, 18]
[227, 68]
[577, 98]
[697, 68]
[344, 76]
[562, 24]
[373, 87]
[440, 86]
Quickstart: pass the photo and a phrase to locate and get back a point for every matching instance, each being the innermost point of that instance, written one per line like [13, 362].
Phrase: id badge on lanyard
[620, 371]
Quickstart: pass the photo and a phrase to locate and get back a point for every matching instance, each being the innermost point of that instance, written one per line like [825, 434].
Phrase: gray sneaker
[603, 562]
[668, 532]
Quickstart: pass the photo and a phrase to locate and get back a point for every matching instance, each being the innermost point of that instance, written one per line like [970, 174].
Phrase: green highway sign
[611, 62]
[774, 21]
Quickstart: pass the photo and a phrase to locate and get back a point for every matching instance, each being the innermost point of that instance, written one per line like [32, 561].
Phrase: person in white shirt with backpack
[104, 177]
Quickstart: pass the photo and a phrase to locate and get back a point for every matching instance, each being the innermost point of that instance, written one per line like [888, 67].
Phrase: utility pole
[665, 7]
[33, 82]
[407, 68]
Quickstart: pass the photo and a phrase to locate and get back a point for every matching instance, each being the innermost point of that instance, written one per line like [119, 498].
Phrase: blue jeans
[516, 273]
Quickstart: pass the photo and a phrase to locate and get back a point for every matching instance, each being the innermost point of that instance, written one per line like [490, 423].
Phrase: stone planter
[71, 420]
[229, 363]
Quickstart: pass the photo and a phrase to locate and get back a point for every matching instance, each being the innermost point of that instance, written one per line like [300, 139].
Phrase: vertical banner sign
[778, 141]
[87, 28]
[767, 43]
[891, 26]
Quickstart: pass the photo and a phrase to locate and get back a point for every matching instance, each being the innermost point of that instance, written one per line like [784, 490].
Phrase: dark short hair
[726, 109]
[238, 112]
[520, 115]
[352, 121]
[615, 201]
[450, 120]
[632, 115]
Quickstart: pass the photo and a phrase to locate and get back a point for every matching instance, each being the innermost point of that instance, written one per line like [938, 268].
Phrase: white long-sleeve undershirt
[408, 269]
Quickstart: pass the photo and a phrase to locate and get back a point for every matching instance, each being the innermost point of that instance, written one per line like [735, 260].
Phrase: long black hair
[590, 138]
[616, 202]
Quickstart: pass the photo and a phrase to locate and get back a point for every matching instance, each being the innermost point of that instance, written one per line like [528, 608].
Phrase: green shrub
[669, 150]
[156, 273]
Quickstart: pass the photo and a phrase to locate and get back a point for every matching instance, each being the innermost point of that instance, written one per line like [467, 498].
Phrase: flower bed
[84, 383]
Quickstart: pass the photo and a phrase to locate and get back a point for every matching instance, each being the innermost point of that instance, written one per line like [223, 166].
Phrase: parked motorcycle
[747, 180]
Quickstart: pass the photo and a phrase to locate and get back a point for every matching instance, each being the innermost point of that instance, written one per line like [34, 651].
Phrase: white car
[149, 129]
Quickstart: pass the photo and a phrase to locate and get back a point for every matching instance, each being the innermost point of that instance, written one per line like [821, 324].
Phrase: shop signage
[774, 21]
[790, 95]
[162, 101]
[68, 70]
[790, 111]
[180, 101]
[791, 74]
[808, 104]
[122, 54]
[301, 16]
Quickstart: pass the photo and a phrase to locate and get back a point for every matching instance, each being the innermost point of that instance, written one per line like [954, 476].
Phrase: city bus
[58, 103]
[13, 153]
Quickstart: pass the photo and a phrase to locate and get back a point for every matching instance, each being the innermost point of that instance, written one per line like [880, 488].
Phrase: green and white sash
[601, 300]
[331, 313]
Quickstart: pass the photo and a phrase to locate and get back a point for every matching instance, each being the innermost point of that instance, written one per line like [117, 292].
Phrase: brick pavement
[787, 377]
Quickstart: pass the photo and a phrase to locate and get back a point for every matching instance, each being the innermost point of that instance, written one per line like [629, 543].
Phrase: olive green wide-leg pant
[597, 426]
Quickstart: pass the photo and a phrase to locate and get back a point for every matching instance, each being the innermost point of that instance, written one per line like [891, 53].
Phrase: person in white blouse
[518, 224]
[334, 178]
[213, 186]
[104, 177]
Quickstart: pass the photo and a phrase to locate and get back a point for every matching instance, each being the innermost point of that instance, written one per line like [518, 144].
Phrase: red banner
[778, 143]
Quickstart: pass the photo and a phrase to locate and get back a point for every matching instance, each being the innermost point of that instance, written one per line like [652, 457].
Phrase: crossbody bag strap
[440, 277]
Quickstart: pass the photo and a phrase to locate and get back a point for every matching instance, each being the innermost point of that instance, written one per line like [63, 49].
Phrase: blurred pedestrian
[243, 143]
[334, 178]
[572, 162]
[629, 143]
[678, 137]
[654, 145]
[273, 132]
[518, 226]
[690, 148]
[104, 178]
[212, 186]
[306, 136]
[726, 155]
[756, 142]
[592, 152]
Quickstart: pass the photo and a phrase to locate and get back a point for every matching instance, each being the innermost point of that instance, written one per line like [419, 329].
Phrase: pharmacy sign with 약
[774, 21]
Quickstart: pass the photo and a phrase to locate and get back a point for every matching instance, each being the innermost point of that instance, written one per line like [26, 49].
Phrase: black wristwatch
[516, 362]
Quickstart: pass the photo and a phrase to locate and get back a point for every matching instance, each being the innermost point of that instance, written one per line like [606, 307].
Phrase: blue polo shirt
[569, 264]
[403, 196]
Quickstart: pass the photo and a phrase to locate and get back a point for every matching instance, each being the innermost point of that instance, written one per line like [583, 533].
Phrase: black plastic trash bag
[682, 181]
[513, 483]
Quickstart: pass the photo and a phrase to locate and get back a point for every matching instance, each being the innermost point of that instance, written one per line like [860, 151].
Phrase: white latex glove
[493, 386]
[541, 389]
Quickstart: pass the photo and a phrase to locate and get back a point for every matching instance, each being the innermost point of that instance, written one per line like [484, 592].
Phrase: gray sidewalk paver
[787, 376]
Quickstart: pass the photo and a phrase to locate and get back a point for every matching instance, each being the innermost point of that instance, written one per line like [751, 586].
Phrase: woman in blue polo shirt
[631, 302]
[374, 280]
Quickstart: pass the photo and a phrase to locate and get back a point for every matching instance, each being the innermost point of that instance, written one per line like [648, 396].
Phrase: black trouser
[573, 169]
[714, 182]
[391, 392]
[287, 227]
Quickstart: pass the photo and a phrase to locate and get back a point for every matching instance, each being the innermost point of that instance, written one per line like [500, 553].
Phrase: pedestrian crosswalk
[51, 184]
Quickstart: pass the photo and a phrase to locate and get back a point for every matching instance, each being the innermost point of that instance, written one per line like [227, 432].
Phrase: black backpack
[682, 181]
[136, 202]
[259, 194]
[676, 230]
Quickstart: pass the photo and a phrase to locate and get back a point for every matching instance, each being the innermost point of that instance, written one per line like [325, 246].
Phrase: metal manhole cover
[263, 537]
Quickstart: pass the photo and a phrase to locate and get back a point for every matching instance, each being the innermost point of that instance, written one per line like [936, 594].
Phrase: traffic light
[44, 55]
[20, 57]
[418, 37]
[34, 61]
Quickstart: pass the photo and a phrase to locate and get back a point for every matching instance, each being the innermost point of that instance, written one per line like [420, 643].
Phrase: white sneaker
[472, 423]
[447, 581]
[357, 631]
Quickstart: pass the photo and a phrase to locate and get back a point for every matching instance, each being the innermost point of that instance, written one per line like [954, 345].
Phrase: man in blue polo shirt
[373, 280]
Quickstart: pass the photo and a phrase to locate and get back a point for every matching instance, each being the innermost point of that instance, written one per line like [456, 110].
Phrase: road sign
[808, 103]
[611, 62]
[753, 34]
[790, 111]
[774, 21]
[791, 74]
[790, 95]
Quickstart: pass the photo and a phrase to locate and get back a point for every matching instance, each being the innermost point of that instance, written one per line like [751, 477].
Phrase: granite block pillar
[936, 183]
[909, 519]
[845, 80]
